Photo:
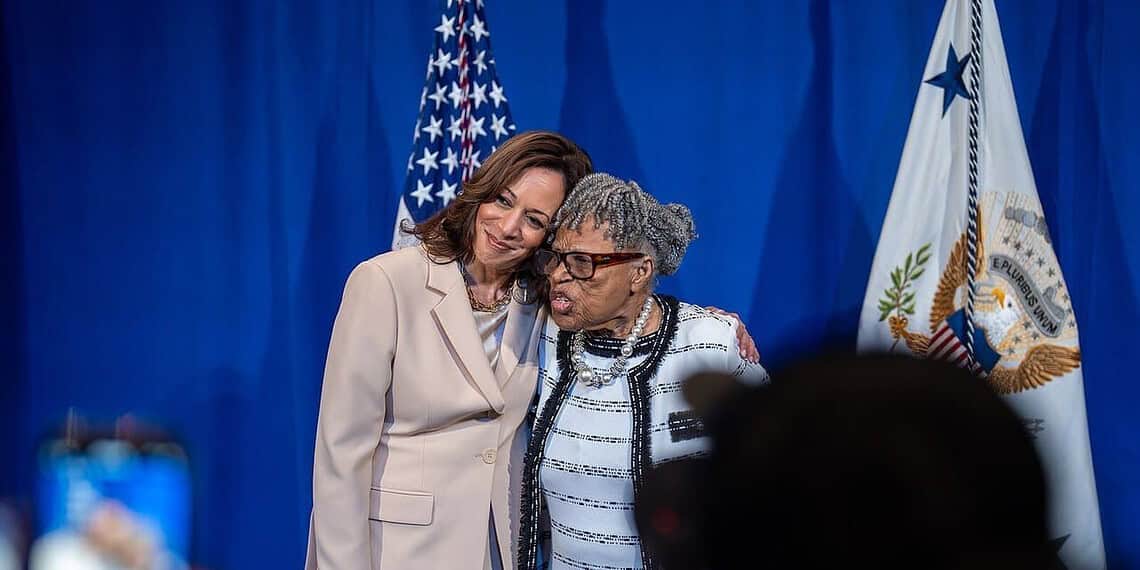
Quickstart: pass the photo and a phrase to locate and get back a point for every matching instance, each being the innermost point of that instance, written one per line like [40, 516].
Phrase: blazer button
[488, 455]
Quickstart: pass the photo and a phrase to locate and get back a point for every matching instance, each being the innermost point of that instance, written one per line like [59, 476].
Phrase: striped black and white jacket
[591, 446]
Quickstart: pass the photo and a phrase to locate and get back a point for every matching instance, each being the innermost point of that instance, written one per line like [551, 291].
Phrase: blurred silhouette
[876, 461]
[10, 539]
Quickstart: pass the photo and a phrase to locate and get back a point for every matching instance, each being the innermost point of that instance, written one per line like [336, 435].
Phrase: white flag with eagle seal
[1024, 331]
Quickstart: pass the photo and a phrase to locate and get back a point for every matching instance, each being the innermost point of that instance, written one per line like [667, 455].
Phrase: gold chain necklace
[479, 306]
[494, 307]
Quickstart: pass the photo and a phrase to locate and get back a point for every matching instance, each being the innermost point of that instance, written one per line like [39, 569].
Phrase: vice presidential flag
[463, 115]
[1017, 329]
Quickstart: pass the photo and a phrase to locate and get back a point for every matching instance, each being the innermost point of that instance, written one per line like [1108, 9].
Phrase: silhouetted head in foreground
[874, 461]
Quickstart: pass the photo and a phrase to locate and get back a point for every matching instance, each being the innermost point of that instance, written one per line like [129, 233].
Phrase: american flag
[947, 344]
[463, 115]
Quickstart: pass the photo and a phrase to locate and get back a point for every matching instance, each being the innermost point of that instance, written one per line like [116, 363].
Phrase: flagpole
[466, 141]
[972, 194]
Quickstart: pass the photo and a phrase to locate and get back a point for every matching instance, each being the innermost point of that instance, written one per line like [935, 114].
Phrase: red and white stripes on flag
[945, 345]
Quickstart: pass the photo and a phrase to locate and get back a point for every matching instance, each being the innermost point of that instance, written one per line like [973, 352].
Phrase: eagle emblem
[1024, 331]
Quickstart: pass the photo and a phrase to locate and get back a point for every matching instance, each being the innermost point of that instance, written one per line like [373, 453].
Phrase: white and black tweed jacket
[591, 447]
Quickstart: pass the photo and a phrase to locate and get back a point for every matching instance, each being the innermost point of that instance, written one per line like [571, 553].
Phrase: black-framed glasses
[580, 264]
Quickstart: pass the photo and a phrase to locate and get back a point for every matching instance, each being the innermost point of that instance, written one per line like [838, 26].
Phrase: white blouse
[491, 326]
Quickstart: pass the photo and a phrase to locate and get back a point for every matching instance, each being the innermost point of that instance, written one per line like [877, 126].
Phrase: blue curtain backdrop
[186, 186]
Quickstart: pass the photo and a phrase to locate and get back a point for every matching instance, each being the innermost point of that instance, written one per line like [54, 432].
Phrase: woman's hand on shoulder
[748, 350]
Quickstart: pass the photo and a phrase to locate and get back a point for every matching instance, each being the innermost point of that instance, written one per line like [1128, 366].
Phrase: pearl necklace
[598, 378]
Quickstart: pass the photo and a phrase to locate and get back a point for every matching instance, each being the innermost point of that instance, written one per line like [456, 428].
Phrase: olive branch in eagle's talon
[899, 297]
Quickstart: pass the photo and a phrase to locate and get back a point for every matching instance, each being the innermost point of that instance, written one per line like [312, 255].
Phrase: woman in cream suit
[430, 372]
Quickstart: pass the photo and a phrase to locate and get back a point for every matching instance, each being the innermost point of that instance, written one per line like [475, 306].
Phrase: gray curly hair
[636, 220]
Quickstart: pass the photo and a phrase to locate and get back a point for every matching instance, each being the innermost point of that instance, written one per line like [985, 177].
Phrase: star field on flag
[463, 115]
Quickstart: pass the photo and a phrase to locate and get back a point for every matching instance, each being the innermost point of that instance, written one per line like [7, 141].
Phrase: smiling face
[513, 224]
[611, 298]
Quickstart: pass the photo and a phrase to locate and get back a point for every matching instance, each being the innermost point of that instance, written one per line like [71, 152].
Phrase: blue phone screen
[147, 485]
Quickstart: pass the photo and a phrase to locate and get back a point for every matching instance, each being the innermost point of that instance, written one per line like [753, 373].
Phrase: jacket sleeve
[358, 373]
[742, 370]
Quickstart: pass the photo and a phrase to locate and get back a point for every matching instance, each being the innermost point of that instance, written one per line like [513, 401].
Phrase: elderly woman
[610, 405]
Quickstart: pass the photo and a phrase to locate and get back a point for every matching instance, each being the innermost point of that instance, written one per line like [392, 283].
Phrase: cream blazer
[418, 440]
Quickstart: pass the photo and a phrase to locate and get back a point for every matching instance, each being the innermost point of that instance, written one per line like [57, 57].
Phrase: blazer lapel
[457, 324]
[518, 333]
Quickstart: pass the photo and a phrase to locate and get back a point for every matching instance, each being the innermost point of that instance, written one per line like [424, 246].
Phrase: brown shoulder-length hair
[448, 235]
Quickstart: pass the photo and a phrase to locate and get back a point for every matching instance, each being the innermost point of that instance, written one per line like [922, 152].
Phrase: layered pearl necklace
[598, 378]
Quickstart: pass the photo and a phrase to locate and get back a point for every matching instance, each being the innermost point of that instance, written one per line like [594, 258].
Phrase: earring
[524, 292]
